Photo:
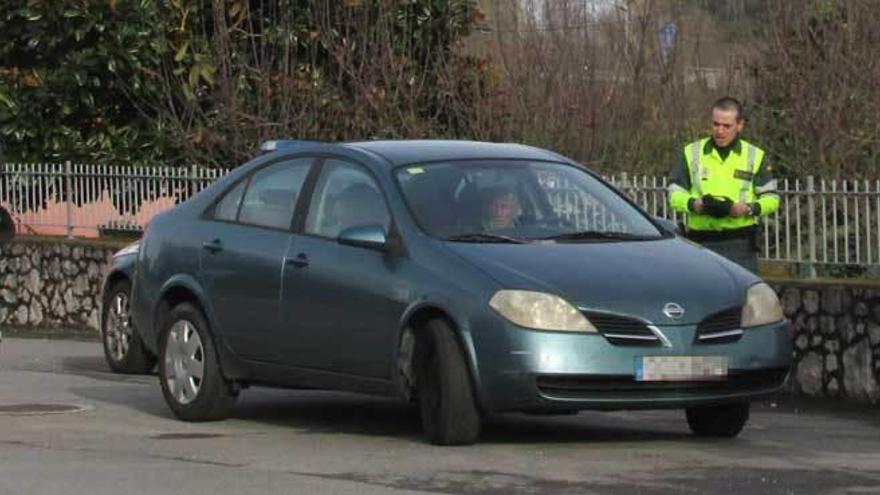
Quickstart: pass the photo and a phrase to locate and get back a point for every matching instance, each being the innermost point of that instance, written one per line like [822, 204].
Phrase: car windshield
[516, 201]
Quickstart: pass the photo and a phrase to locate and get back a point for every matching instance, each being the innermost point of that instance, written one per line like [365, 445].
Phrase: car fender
[122, 266]
[188, 282]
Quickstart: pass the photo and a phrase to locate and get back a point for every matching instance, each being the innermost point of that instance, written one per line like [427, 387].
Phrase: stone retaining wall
[48, 284]
[837, 338]
[56, 284]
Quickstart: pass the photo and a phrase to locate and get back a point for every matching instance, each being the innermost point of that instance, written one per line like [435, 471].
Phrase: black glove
[717, 206]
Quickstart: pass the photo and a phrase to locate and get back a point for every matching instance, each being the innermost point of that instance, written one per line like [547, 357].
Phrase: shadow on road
[319, 412]
[143, 398]
[95, 367]
[338, 412]
[334, 412]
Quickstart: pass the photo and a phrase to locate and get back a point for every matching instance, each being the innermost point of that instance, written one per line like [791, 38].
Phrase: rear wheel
[189, 370]
[722, 420]
[447, 405]
[123, 349]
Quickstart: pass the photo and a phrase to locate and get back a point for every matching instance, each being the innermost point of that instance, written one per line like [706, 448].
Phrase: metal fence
[834, 222]
[86, 200]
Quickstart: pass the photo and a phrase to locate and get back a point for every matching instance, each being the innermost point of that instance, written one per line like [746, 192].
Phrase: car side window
[272, 193]
[345, 196]
[227, 208]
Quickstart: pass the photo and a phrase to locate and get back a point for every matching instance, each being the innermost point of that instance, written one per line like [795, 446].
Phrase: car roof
[403, 152]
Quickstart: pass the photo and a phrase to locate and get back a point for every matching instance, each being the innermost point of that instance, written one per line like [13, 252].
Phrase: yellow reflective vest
[739, 177]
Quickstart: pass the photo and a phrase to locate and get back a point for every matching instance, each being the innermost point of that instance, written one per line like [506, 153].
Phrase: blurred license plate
[680, 368]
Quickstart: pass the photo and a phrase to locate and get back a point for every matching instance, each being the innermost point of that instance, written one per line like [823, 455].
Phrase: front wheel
[189, 370]
[722, 420]
[446, 396]
[124, 350]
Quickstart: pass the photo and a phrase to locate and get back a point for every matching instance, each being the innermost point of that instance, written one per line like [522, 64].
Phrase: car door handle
[300, 261]
[213, 247]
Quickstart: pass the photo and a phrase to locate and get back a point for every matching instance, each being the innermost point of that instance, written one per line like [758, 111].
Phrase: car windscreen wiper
[597, 235]
[484, 237]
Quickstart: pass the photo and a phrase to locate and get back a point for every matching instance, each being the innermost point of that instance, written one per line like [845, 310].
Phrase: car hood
[633, 278]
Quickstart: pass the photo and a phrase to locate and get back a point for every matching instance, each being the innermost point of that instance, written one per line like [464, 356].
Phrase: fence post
[623, 182]
[811, 209]
[68, 201]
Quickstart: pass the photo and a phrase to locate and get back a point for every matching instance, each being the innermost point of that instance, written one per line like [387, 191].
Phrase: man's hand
[740, 210]
[698, 205]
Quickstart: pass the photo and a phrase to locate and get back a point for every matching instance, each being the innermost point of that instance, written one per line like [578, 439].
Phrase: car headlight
[539, 311]
[130, 249]
[762, 306]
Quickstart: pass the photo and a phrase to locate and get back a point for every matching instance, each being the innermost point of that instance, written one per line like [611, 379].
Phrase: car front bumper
[529, 370]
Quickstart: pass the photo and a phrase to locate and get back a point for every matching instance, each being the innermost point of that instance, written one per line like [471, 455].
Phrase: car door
[339, 299]
[243, 255]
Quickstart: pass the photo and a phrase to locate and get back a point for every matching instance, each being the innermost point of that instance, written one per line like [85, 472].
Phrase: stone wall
[837, 338]
[51, 283]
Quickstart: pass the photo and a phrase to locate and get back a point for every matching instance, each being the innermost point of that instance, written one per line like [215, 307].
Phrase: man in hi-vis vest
[723, 185]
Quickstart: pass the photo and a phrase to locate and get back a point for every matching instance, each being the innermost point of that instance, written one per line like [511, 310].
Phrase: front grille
[626, 386]
[720, 328]
[620, 330]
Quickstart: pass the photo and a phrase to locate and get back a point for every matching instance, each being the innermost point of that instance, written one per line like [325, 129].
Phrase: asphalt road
[125, 441]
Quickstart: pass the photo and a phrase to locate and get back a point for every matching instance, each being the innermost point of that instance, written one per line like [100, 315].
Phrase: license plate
[680, 368]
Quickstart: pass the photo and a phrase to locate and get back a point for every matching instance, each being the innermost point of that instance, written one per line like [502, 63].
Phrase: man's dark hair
[728, 103]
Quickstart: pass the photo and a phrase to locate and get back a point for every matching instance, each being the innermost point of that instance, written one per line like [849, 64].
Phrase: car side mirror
[370, 236]
[668, 225]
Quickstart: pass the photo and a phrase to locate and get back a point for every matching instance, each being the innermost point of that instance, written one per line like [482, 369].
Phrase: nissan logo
[673, 310]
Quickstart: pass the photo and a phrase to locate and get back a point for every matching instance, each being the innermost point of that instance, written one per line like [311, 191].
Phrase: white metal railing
[835, 222]
[81, 200]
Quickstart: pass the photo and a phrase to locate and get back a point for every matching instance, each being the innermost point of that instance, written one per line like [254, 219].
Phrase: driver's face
[503, 210]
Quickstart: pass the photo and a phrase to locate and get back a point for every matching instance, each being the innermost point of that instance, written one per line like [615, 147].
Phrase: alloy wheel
[118, 332]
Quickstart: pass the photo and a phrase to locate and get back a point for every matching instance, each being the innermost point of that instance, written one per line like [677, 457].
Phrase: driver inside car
[501, 209]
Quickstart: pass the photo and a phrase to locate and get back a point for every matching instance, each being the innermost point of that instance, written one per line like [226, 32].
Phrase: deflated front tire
[445, 391]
